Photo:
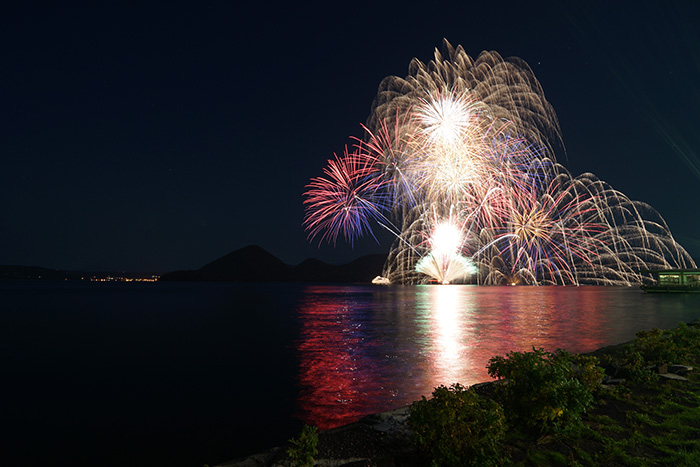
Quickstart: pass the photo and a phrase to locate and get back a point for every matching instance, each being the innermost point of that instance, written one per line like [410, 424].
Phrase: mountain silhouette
[254, 264]
[250, 263]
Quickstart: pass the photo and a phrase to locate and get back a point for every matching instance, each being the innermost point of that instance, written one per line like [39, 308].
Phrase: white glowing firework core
[445, 119]
[444, 261]
[446, 240]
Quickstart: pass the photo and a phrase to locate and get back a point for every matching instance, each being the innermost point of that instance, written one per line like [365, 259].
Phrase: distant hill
[254, 264]
[251, 263]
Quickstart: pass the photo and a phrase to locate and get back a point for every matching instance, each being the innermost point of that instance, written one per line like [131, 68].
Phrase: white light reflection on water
[364, 349]
[450, 329]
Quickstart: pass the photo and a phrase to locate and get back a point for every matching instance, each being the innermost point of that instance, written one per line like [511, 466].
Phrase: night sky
[157, 138]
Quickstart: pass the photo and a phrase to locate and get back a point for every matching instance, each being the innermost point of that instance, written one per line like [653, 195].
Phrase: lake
[194, 373]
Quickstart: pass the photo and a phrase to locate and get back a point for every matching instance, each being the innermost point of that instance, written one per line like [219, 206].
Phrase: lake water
[194, 373]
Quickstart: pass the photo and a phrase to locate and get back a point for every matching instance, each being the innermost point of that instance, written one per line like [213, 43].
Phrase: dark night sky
[156, 138]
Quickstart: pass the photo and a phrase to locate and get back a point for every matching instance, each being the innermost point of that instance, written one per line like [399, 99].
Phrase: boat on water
[673, 281]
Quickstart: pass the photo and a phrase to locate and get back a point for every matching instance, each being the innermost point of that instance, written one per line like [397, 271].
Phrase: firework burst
[460, 155]
[444, 261]
[346, 199]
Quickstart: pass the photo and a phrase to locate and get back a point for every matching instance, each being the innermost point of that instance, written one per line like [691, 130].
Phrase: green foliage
[686, 343]
[304, 448]
[678, 345]
[633, 366]
[654, 347]
[586, 369]
[547, 458]
[458, 427]
[543, 390]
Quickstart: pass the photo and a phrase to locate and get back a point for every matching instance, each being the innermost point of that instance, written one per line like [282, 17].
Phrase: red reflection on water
[336, 376]
[548, 317]
[363, 350]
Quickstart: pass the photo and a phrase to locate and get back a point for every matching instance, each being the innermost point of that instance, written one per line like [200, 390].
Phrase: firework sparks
[345, 200]
[474, 140]
[444, 262]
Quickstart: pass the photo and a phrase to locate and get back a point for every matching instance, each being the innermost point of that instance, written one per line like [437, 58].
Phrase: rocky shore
[377, 440]
[384, 439]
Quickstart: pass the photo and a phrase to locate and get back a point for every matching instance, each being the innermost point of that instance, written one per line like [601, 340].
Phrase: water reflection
[365, 349]
[336, 368]
[449, 330]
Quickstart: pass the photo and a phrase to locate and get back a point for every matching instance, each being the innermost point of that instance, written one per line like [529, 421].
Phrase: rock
[349, 463]
[673, 376]
[613, 381]
[680, 369]
[256, 460]
[391, 421]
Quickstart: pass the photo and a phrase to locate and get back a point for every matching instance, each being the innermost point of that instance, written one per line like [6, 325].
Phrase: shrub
[651, 348]
[304, 448]
[586, 369]
[686, 343]
[545, 391]
[655, 347]
[633, 366]
[457, 427]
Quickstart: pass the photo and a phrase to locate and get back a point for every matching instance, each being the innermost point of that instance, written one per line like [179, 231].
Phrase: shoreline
[377, 439]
